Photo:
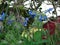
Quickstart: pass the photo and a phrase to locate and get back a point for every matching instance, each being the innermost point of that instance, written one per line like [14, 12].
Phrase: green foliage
[12, 33]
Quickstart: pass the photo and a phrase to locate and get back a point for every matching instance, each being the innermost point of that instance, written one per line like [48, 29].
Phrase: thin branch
[54, 6]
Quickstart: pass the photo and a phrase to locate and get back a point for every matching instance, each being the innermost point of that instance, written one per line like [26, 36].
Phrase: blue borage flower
[42, 18]
[45, 18]
[25, 23]
[2, 16]
[26, 18]
[48, 10]
[32, 14]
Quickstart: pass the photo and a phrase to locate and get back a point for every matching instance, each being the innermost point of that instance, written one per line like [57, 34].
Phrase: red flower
[50, 26]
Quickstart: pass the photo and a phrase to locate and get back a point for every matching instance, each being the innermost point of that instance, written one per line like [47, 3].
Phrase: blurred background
[29, 22]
